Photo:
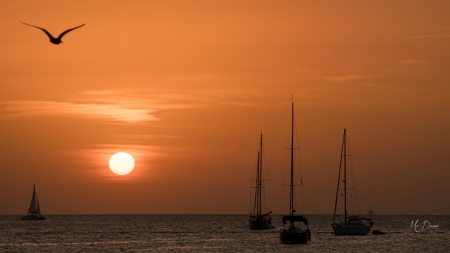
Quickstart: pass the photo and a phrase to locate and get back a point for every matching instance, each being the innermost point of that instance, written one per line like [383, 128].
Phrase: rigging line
[300, 167]
[250, 200]
[267, 191]
[285, 169]
[300, 170]
[265, 174]
[351, 173]
[339, 179]
[256, 185]
[357, 202]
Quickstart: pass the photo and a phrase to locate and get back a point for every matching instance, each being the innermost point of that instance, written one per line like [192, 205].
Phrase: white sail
[32, 208]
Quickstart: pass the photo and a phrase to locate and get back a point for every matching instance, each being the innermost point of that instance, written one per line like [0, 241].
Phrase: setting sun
[121, 163]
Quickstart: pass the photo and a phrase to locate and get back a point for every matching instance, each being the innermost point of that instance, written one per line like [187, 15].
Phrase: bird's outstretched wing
[66, 31]
[48, 34]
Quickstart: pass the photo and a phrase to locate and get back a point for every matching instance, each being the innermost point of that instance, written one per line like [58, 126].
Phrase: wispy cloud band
[426, 36]
[105, 111]
[102, 104]
[345, 78]
[413, 62]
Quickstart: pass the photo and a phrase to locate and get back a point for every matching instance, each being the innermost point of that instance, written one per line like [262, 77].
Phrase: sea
[213, 233]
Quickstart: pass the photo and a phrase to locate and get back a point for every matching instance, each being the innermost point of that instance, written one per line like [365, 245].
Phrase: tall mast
[260, 176]
[255, 208]
[292, 166]
[339, 178]
[345, 175]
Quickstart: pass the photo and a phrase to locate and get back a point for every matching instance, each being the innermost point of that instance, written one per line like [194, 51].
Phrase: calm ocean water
[211, 233]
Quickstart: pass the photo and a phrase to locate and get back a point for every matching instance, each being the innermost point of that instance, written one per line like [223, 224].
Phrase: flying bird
[54, 40]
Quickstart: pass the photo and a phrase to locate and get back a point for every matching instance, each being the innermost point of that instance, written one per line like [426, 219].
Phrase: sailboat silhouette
[34, 211]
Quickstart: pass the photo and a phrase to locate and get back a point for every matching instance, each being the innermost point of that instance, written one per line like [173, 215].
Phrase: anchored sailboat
[351, 225]
[292, 232]
[34, 212]
[259, 220]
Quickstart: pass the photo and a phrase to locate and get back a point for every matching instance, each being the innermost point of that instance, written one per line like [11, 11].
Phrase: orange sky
[187, 86]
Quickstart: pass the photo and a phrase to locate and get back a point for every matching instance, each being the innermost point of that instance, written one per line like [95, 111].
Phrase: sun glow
[121, 163]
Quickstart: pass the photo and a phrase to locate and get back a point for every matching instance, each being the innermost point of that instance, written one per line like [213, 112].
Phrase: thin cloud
[345, 78]
[413, 62]
[148, 136]
[107, 105]
[427, 36]
[372, 85]
[105, 111]
[101, 92]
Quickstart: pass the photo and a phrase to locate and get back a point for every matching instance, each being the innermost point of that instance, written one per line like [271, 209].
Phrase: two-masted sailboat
[34, 212]
[291, 231]
[259, 220]
[350, 225]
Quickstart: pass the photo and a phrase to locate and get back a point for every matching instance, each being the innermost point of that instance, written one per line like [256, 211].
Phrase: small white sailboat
[259, 220]
[351, 225]
[293, 232]
[34, 212]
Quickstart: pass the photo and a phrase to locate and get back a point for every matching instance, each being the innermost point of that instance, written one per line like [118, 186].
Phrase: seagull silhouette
[54, 40]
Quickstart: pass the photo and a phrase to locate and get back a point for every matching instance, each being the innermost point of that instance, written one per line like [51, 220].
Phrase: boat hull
[259, 224]
[350, 229]
[294, 236]
[378, 232]
[32, 217]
